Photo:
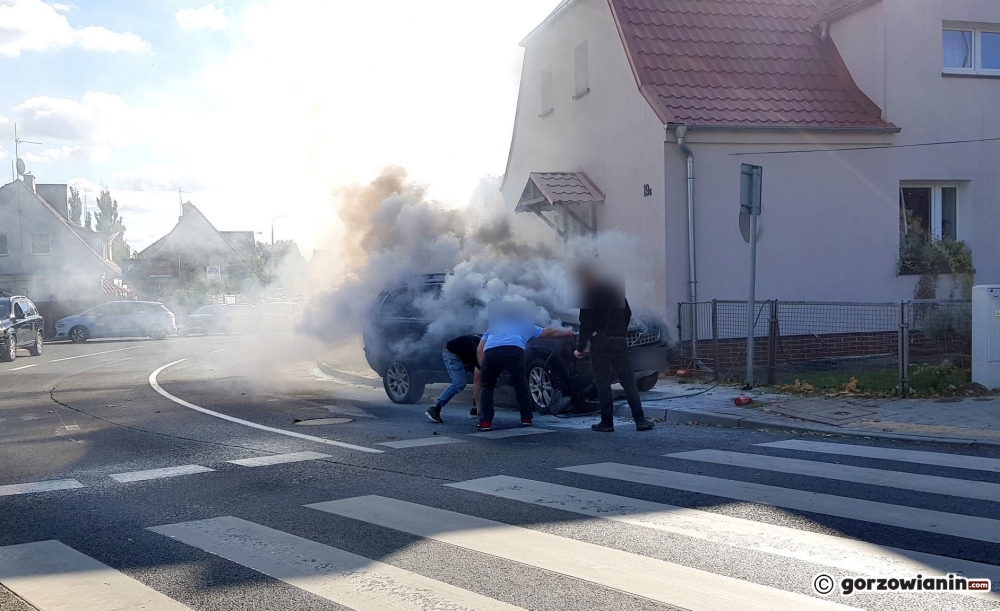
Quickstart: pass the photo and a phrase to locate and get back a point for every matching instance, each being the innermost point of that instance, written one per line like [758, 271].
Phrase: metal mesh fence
[876, 340]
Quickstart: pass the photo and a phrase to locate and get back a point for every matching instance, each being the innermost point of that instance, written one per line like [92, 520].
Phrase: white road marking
[505, 433]
[938, 459]
[419, 443]
[280, 459]
[854, 557]
[141, 476]
[654, 579]
[49, 486]
[83, 356]
[330, 573]
[956, 525]
[847, 473]
[254, 425]
[25, 367]
[218, 351]
[54, 577]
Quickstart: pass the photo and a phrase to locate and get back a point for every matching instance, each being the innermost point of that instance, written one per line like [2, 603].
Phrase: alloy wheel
[398, 379]
[540, 387]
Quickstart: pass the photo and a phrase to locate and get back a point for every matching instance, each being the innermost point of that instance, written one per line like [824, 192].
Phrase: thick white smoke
[394, 234]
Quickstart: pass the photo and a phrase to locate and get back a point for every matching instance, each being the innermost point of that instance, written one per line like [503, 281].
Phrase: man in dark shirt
[459, 359]
[604, 319]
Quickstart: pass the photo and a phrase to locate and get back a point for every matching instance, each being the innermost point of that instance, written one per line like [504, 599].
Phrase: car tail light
[170, 315]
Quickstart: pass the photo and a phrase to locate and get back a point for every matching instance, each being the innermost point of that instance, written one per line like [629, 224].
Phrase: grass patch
[873, 382]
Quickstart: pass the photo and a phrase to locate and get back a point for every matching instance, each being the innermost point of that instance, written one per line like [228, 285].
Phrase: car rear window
[210, 309]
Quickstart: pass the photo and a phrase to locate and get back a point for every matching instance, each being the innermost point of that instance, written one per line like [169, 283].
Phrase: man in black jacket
[604, 319]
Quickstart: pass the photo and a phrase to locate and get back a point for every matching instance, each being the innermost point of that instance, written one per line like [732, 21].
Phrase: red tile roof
[740, 62]
[549, 190]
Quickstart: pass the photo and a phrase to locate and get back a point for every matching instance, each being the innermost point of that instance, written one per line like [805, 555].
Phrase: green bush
[938, 379]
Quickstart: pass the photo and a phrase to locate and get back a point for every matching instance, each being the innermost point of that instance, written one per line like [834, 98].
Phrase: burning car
[398, 346]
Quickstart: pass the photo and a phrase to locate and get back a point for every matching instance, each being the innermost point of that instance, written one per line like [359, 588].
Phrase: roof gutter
[889, 129]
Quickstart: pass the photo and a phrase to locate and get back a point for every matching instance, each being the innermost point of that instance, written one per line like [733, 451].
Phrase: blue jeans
[459, 378]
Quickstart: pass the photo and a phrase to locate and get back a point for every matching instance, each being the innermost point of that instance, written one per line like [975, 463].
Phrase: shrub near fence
[793, 338]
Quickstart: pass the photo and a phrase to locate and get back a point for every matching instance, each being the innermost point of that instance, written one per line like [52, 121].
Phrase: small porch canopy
[572, 193]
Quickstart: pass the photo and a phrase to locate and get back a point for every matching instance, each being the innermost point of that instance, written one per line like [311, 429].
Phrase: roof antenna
[17, 145]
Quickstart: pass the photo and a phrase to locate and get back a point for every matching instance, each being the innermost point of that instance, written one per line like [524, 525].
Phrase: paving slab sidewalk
[965, 421]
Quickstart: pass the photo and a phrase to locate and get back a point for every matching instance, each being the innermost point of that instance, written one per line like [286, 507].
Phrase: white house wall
[611, 132]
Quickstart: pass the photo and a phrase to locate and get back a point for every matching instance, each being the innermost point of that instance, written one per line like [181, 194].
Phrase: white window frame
[48, 239]
[977, 49]
[936, 204]
[6, 252]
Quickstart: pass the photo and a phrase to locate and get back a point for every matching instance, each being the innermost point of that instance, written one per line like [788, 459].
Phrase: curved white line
[254, 425]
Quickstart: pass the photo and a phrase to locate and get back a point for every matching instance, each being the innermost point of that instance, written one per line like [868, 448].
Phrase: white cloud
[63, 8]
[209, 17]
[33, 25]
[259, 131]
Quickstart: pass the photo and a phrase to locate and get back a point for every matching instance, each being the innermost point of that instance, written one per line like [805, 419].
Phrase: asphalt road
[118, 490]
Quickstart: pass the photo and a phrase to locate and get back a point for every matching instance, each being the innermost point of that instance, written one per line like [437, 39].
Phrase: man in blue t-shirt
[502, 349]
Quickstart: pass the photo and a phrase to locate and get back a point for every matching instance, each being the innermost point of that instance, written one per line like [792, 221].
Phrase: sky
[258, 109]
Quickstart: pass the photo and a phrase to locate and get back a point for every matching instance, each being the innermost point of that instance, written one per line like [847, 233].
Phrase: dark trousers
[495, 362]
[607, 353]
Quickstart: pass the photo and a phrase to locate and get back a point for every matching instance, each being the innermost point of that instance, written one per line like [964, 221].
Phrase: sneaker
[474, 412]
[603, 428]
[434, 413]
[525, 422]
[484, 426]
[645, 425]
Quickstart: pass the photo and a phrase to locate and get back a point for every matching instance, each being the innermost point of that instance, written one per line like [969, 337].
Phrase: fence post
[715, 338]
[680, 327]
[904, 349]
[772, 345]
[694, 334]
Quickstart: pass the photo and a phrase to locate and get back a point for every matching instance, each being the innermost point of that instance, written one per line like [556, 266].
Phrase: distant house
[58, 265]
[195, 256]
[861, 112]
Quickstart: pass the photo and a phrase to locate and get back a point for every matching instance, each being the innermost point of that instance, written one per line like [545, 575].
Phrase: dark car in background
[219, 318]
[119, 319]
[21, 327]
[398, 349]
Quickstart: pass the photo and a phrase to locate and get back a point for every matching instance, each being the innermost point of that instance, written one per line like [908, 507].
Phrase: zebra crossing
[51, 575]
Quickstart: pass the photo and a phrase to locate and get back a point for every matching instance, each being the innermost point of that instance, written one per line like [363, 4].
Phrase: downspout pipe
[681, 133]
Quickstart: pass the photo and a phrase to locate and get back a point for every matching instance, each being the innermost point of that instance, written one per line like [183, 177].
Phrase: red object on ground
[742, 401]
[683, 373]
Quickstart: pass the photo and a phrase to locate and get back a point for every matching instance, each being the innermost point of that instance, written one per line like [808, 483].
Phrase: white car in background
[119, 319]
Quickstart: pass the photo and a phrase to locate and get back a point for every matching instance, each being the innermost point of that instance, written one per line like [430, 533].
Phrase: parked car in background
[555, 376]
[21, 327]
[219, 318]
[119, 319]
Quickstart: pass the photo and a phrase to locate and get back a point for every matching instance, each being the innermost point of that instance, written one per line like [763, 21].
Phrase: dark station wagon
[555, 376]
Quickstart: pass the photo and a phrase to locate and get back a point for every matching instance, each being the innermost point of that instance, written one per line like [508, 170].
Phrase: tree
[89, 223]
[109, 224]
[75, 206]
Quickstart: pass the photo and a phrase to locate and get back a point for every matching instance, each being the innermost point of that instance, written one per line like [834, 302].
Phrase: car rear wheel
[79, 335]
[647, 383]
[545, 388]
[9, 352]
[157, 332]
[402, 384]
[36, 348]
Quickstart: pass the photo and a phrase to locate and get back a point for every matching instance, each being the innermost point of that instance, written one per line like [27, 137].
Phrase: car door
[37, 323]
[108, 320]
[22, 324]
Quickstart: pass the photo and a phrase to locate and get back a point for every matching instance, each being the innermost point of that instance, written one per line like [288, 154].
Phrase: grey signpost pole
[750, 209]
